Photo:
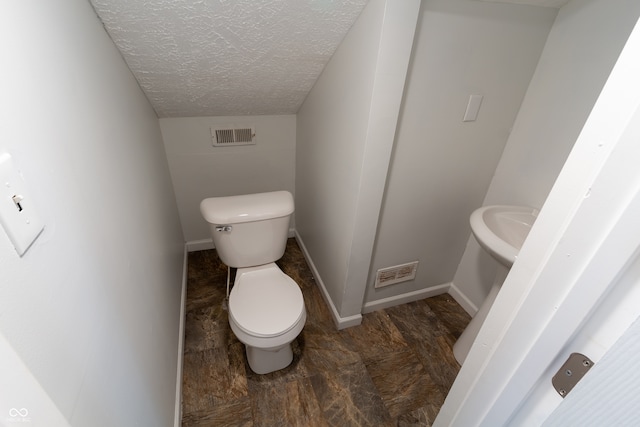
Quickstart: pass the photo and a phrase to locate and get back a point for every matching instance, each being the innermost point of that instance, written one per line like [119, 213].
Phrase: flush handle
[224, 228]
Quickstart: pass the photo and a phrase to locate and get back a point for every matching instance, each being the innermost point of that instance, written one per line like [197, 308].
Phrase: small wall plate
[17, 212]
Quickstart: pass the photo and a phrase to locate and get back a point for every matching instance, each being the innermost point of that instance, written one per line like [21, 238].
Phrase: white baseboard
[462, 299]
[183, 302]
[199, 245]
[405, 298]
[340, 322]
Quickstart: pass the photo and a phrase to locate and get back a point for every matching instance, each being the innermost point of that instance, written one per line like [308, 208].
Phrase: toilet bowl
[266, 313]
[266, 307]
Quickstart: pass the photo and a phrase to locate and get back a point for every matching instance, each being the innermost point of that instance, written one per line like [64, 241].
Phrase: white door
[611, 338]
[608, 395]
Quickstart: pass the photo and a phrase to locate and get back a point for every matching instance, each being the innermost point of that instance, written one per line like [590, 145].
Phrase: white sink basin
[501, 230]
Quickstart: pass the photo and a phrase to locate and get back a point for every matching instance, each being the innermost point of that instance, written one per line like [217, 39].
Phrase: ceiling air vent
[230, 136]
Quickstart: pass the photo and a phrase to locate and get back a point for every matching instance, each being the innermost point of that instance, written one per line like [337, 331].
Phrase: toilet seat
[265, 302]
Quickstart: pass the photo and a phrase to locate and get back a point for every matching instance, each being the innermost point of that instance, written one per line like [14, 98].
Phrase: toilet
[266, 308]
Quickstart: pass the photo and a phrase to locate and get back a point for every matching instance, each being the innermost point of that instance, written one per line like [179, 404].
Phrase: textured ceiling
[227, 57]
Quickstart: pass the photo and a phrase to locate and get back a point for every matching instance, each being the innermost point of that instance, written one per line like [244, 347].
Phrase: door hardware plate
[572, 371]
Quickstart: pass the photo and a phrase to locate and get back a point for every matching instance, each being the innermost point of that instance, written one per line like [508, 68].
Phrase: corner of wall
[462, 299]
[183, 300]
[340, 322]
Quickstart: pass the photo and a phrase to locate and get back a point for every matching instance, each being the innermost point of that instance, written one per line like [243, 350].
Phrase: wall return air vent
[396, 274]
[230, 136]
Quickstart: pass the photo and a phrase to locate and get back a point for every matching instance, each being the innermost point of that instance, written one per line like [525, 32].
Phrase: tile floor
[394, 369]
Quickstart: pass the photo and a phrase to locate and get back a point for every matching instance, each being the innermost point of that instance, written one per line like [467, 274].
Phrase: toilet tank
[251, 229]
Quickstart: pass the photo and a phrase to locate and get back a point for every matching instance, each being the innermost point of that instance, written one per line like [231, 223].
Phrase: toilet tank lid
[246, 208]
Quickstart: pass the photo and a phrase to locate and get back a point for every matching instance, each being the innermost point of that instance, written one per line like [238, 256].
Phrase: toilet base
[263, 361]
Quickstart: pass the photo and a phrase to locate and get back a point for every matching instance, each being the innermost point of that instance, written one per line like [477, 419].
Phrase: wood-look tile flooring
[394, 369]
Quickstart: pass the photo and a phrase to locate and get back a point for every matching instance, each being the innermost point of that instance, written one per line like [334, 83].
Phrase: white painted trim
[462, 299]
[183, 301]
[346, 322]
[405, 298]
[199, 245]
[340, 322]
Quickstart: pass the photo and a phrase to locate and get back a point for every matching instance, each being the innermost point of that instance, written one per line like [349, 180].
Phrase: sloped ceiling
[227, 57]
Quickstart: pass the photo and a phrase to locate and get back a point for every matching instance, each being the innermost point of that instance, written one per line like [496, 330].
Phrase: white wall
[442, 166]
[583, 45]
[92, 309]
[23, 392]
[200, 170]
[345, 134]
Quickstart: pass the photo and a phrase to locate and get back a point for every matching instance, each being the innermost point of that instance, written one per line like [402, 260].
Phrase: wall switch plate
[17, 212]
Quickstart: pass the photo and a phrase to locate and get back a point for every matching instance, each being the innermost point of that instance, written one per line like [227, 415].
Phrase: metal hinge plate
[572, 371]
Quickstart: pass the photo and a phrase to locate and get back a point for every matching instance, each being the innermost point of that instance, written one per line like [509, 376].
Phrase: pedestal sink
[500, 230]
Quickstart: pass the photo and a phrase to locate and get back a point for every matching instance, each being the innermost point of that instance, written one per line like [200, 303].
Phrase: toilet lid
[266, 302]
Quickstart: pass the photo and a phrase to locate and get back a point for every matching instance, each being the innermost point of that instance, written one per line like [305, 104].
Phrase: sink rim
[504, 233]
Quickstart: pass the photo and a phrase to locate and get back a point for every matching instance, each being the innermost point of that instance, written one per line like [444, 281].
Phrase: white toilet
[266, 308]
